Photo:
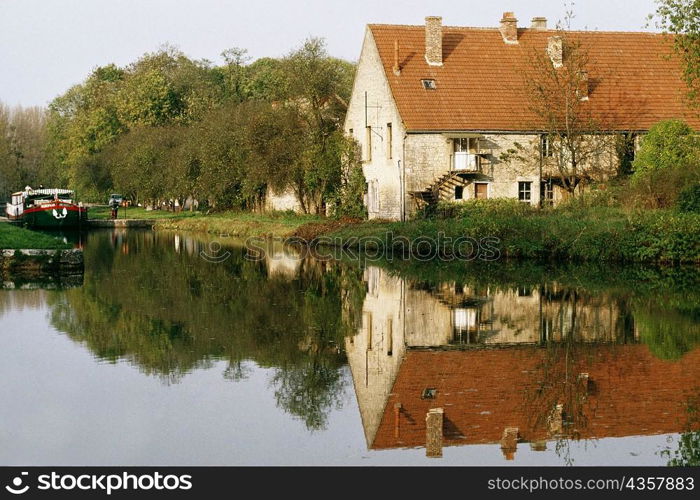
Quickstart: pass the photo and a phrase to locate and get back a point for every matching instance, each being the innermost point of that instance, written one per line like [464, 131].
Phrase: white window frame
[528, 191]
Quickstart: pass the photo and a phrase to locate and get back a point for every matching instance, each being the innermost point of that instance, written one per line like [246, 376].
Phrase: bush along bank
[35, 262]
[485, 233]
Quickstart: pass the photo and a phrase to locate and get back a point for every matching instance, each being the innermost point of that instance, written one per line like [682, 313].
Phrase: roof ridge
[522, 28]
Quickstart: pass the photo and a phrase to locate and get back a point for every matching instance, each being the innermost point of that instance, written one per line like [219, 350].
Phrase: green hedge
[602, 234]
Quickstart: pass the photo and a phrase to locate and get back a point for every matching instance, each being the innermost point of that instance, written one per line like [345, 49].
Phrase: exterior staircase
[442, 188]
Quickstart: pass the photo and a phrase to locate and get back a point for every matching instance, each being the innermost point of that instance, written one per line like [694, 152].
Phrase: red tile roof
[635, 81]
[484, 391]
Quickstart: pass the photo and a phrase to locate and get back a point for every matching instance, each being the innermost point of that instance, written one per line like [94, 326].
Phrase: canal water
[176, 349]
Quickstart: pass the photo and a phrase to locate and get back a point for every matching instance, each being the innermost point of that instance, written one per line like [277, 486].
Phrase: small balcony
[466, 162]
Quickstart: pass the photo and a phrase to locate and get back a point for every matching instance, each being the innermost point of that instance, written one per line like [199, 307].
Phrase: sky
[46, 46]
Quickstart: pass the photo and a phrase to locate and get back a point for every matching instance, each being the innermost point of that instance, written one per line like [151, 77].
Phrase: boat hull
[56, 215]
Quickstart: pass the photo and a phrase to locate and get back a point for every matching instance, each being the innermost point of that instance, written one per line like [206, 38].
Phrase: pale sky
[48, 45]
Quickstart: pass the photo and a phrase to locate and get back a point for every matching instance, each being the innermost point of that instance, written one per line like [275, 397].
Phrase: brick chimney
[539, 23]
[433, 40]
[396, 68]
[582, 93]
[509, 442]
[509, 28]
[555, 50]
[433, 432]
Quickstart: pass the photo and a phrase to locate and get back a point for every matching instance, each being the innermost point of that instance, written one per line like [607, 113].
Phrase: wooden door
[481, 190]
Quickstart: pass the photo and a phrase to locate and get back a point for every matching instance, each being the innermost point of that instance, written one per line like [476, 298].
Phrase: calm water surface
[163, 354]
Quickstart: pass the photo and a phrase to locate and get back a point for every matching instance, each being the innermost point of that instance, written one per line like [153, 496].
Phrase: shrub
[599, 195]
[666, 163]
[495, 206]
[689, 199]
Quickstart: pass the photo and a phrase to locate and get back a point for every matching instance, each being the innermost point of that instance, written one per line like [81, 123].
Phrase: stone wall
[429, 157]
[285, 200]
[508, 160]
[372, 105]
[376, 350]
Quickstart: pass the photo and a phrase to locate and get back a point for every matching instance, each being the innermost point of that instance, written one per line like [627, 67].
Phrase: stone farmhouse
[437, 109]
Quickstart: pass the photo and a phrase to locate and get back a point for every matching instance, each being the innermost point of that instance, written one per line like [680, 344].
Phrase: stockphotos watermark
[368, 248]
[100, 483]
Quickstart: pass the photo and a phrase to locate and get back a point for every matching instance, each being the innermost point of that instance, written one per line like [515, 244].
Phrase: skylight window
[429, 393]
[429, 84]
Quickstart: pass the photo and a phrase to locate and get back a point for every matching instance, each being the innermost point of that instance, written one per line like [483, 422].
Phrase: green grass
[104, 212]
[240, 224]
[232, 223]
[14, 237]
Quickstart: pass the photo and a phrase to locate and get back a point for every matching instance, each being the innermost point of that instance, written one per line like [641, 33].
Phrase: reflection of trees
[688, 452]
[560, 398]
[559, 401]
[669, 325]
[169, 313]
[309, 390]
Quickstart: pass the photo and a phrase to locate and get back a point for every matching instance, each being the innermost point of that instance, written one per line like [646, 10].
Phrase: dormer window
[428, 84]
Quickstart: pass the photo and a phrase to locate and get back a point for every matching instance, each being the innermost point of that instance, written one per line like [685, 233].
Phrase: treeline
[183, 321]
[167, 127]
[22, 145]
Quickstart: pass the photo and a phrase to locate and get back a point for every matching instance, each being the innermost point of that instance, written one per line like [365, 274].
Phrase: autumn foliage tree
[171, 128]
[22, 153]
[557, 85]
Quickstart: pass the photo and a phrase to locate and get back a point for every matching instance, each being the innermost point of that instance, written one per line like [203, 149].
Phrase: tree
[140, 163]
[159, 89]
[319, 87]
[22, 144]
[274, 123]
[235, 59]
[277, 142]
[6, 183]
[266, 81]
[666, 163]
[349, 199]
[573, 147]
[682, 19]
[81, 123]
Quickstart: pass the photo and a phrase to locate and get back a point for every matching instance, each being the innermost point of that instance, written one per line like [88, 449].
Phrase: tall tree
[573, 147]
[682, 19]
[319, 87]
[22, 145]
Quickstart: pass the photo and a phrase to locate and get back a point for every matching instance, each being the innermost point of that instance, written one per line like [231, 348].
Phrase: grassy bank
[240, 224]
[104, 212]
[596, 234]
[14, 237]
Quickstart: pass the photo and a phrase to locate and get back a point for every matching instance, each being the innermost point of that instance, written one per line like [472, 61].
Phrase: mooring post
[433, 432]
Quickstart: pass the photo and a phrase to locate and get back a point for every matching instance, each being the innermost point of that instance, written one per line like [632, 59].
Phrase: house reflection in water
[507, 366]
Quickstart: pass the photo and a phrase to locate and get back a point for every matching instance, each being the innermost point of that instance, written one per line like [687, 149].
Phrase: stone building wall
[375, 352]
[370, 110]
[283, 201]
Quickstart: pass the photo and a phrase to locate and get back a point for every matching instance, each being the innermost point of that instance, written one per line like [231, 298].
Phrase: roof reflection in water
[537, 365]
